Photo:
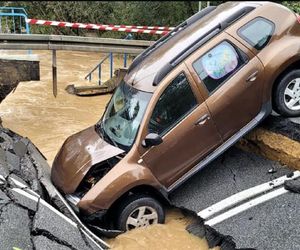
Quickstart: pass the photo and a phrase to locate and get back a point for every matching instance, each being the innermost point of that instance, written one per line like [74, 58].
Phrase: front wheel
[139, 211]
[287, 95]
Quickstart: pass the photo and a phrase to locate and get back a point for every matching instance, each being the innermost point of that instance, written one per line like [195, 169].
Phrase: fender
[288, 54]
[116, 183]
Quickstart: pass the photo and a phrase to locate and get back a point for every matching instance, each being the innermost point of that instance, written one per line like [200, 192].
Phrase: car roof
[143, 74]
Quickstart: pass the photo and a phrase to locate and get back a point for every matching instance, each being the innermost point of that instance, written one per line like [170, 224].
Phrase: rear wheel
[287, 95]
[139, 211]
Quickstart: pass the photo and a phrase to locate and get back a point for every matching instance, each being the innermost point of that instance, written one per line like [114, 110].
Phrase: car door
[181, 117]
[231, 79]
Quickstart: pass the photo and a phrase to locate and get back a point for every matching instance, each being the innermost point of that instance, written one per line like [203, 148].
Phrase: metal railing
[15, 14]
[111, 64]
[74, 43]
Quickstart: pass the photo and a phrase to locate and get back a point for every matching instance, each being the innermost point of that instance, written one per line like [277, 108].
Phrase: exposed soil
[273, 146]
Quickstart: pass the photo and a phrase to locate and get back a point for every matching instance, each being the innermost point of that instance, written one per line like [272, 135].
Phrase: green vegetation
[163, 13]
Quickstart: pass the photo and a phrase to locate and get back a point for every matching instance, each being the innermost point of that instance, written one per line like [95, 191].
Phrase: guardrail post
[54, 73]
[99, 74]
[111, 59]
[125, 60]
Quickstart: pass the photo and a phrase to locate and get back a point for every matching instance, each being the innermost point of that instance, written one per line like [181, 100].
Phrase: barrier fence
[153, 30]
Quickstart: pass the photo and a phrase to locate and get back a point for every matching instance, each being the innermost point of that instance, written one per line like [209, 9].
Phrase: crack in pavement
[24, 172]
[50, 236]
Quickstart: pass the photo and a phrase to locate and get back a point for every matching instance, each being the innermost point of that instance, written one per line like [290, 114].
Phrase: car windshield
[124, 114]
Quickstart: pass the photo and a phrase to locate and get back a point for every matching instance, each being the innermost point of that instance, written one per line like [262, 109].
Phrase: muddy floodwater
[33, 112]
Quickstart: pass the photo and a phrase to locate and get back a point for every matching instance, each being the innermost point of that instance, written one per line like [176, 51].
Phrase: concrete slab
[48, 220]
[13, 161]
[3, 199]
[23, 200]
[20, 148]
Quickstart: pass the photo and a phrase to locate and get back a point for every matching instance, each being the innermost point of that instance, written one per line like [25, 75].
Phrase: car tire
[286, 99]
[138, 211]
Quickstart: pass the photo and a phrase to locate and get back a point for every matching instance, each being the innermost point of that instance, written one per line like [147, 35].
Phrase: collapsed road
[234, 169]
[24, 187]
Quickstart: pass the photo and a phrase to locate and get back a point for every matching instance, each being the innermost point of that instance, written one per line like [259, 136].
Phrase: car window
[257, 32]
[217, 65]
[174, 104]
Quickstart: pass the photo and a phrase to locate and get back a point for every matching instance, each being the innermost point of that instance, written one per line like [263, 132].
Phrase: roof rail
[199, 42]
[171, 34]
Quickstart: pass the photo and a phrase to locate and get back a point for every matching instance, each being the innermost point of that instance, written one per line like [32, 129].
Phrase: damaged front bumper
[71, 201]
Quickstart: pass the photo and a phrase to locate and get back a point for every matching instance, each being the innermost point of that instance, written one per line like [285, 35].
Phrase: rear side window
[257, 32]
[217, 65]
[175, 103]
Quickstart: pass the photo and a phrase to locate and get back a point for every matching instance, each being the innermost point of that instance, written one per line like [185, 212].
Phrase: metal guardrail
[74, 43]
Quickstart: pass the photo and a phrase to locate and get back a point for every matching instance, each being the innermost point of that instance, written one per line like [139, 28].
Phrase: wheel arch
[292, 66]
[160, 195]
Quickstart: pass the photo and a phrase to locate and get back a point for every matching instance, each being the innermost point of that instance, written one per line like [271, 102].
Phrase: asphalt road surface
[273, 224]
[26, 220]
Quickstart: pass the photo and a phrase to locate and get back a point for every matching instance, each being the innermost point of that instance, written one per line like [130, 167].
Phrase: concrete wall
[13, 71]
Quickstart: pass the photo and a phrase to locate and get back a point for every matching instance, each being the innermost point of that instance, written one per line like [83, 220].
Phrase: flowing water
[33, 112]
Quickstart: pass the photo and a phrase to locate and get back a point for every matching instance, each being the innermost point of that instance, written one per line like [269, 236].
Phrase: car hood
[77, 155]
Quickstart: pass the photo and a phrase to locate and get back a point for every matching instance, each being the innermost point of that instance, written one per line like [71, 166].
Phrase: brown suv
[183, 102]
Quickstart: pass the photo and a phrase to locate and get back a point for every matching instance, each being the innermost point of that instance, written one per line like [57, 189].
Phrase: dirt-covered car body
[206, 84]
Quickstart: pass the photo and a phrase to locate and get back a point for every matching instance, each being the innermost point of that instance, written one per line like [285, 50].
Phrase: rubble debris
[23, 211]
[272, 171]
[293, 185]
[108, 87]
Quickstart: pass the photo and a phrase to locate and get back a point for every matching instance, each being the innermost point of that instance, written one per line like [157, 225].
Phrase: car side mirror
[151, 139]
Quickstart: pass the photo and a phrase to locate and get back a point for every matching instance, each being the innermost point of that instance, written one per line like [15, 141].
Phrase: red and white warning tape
[125, 28]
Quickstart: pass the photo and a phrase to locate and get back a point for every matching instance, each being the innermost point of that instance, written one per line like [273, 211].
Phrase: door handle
[202, 119]
[252, 77]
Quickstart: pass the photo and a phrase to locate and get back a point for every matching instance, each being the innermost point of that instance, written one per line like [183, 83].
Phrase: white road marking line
[44, 203]
[244, 195]
[30, 194]
[86, 230]
[246, 206]
[2, 179]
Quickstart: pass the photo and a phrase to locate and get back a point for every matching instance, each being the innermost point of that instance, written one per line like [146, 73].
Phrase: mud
[32, 111]
[174, 233]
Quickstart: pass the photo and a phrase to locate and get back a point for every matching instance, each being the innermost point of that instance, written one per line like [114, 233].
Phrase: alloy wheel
[141, 217]
[292, 95]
